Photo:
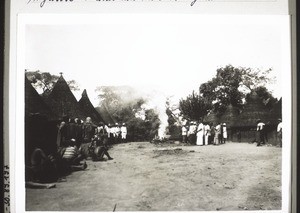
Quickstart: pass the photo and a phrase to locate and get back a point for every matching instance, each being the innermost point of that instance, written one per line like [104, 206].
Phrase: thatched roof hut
[212, 118]
[230, 116]
[88, 108]
[34, 103]
[253, 111]
[40, 123]
[103, 111]
[63, 102]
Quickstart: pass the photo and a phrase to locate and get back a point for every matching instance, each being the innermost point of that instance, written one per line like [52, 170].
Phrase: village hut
[88, 108]
[103, 111]
[40, 123]
[230, 117]
[63, 102]
[34, 103]
[253, 111]
[212, 117]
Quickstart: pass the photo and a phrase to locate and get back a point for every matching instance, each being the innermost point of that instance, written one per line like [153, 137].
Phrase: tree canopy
[264, 95]
[194, 107]
[45, 81]
[229, 86]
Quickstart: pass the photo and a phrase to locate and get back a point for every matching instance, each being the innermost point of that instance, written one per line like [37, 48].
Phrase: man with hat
[192, 133]
[224, 132]
[260, 129]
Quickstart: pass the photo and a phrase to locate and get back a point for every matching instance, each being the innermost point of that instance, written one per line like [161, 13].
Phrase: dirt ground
[172, 177]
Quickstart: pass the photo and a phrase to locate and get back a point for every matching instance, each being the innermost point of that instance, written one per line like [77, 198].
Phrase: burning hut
[87, 107]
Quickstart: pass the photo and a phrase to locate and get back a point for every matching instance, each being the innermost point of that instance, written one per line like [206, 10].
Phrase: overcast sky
[173, 55]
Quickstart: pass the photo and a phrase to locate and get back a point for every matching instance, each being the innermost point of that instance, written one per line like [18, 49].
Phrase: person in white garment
[200, 134]
[184, 134]
[224, 132]
[123, 132]
[279, 132]
[206, 133]
[217, 134]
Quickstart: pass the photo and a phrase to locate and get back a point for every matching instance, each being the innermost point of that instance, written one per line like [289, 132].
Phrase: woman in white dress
[200, 134]
[207, 133]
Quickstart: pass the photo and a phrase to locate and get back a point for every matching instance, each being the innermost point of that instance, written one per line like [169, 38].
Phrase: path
[148, 177]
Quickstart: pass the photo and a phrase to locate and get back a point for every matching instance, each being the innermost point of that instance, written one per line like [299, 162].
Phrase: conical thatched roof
[230, 116]
[88, 108]
[212, 118]
[103, 111]
[63, 102]
[34, 104]
[253, 111]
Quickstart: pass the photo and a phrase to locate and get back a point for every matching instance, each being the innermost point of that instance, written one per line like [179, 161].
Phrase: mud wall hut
[40, 123]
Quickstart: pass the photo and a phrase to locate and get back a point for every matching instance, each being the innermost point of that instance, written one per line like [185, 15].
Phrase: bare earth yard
[148, 177]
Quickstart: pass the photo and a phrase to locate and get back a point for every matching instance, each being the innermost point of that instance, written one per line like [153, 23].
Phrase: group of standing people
[204, 133]
[117, 133]
[85, 132]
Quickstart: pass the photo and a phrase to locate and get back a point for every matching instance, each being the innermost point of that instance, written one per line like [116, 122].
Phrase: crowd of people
[73, 136]
[85, 132]
[204, 133]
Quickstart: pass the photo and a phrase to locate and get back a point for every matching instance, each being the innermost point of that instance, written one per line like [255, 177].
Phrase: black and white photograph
[155, 112]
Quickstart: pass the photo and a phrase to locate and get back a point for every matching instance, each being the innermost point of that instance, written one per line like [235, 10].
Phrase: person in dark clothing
[102, 134]
[89, 130]
[221, 138]
[97, 150]
[72, 130]
[266, 130]
[43, 168]
[62, 133]
[212, 133]
[78, 132]
[260, 129]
